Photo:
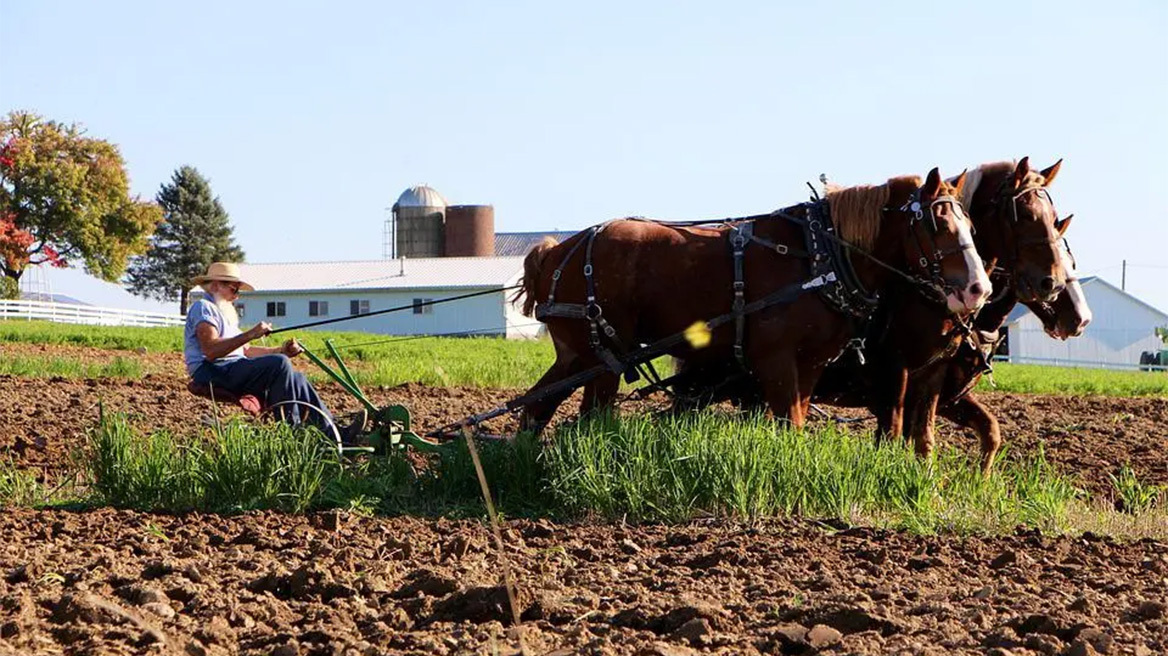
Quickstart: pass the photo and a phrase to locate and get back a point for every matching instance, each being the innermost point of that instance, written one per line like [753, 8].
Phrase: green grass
[1041, 379]
[487, 361]
[635, 468]
[67, 367]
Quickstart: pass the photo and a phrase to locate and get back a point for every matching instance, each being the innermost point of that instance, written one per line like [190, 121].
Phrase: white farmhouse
[295, 293]
[1123, 327]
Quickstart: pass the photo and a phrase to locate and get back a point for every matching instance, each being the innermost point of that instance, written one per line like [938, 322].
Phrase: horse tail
[532, 267]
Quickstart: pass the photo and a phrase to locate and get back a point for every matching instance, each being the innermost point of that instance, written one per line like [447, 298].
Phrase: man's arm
[290, 348]
[215, 347]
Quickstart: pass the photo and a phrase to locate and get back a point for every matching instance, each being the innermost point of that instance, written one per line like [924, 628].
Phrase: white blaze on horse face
[977, 286]
[1074, 291]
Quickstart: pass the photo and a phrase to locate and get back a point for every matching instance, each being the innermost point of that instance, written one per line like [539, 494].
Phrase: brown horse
[1065, 317]
[639, 281]
[910, 341]
[1018, 228]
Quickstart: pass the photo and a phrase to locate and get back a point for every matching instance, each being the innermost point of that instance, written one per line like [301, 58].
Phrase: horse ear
[1051, 172]
[932, 183]
[959, 183]
[1021, 171]
[1061, 225]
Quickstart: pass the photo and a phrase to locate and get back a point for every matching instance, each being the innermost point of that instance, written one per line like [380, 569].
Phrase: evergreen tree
[194, 232]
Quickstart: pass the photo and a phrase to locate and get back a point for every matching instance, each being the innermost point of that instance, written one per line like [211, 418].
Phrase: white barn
[295, 293]
[1122, 328]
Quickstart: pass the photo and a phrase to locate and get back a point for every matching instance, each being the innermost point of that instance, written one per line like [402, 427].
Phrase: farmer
[218, 354]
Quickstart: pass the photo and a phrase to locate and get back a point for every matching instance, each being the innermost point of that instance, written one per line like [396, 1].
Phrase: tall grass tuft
[635, 467]
[675, 468]
[240, 467]
[19, 487]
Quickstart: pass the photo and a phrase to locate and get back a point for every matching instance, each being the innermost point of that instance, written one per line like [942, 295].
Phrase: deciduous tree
[64, 199]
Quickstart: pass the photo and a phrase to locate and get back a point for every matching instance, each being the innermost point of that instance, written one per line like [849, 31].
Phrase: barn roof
[509, 244]
[1021, 311]
[404, 273]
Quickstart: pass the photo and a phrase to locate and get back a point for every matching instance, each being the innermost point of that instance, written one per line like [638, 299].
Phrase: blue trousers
[272, 379]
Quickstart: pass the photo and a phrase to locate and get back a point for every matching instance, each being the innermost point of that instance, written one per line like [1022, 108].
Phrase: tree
[65, 197]
[194, 233]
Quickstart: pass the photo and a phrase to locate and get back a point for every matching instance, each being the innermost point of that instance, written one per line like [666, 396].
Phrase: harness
[832, 274]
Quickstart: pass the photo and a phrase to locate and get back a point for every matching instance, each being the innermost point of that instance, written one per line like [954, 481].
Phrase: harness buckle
[924, 262]
[588, 269]
[738, 240]
[593, 311]
[739, 286]
[781, 249]
[556, 274]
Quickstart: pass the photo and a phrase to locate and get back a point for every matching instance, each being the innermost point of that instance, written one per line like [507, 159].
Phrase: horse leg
[779, 375]
[600, 393]
[968, 412]
[889, 405]
[536, 415]
[922, 421]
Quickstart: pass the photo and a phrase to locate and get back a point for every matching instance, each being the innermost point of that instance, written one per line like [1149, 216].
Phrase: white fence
[1081, 364]
[84, 314]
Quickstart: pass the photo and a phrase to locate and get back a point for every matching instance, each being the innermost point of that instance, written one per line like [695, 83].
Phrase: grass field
[632, 468]
[481, 361]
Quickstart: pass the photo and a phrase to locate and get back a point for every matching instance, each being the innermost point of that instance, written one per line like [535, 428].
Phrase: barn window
[358, 307]
[422, 306]
[239, 309]
[276, 308]
[318, 308]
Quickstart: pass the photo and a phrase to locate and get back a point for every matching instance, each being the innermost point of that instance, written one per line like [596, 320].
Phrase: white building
[295, 293]
[1122, 328]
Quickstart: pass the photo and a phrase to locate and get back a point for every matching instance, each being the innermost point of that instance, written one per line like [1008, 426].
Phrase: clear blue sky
[310, 118]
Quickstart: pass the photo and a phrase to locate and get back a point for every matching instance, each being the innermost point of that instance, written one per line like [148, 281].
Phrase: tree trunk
[183, 297]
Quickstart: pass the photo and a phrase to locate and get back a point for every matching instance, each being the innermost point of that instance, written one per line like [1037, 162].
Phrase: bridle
[1011, 247]
[924, 230]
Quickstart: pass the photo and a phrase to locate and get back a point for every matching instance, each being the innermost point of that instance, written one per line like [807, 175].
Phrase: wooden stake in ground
[496, 529]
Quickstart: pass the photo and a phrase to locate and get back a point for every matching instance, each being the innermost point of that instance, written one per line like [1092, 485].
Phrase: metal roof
[509, 244]
[420, 196]
[407, 273]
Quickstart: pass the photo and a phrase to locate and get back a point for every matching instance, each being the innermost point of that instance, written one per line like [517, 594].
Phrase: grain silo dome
[420, 196]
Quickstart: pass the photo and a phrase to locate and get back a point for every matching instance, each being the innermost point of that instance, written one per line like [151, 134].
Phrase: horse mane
[857, 211]
[994, 171]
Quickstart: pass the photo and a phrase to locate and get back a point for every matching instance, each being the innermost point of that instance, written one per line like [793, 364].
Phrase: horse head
[1068, 314]
[1020, 227]
[939, 244]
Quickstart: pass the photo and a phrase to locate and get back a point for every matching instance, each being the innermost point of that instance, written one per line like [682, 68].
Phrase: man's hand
[292, 348]
[259, 330]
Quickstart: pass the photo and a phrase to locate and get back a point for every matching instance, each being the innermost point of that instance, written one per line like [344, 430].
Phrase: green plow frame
[391, 424]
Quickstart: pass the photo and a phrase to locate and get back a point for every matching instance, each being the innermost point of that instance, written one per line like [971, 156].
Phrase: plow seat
[249, 403]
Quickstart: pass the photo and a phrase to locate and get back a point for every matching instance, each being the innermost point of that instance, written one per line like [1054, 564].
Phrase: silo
[470, 231]
[418, 223]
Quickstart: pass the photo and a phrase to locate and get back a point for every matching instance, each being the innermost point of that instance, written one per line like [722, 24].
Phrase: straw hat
[224, 272]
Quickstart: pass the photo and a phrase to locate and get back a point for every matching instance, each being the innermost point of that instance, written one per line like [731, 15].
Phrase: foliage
[64, 367]
[635, 468]
[240, 467]
[64, 197]
[1162, 333]
[194, 232]
[494, 362]
[9, 288]
[1041, 379]
[1133, 495]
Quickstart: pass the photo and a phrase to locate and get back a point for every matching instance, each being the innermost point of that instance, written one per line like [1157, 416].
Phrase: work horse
[781, 294]
[917, 352]
[1063, 318]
